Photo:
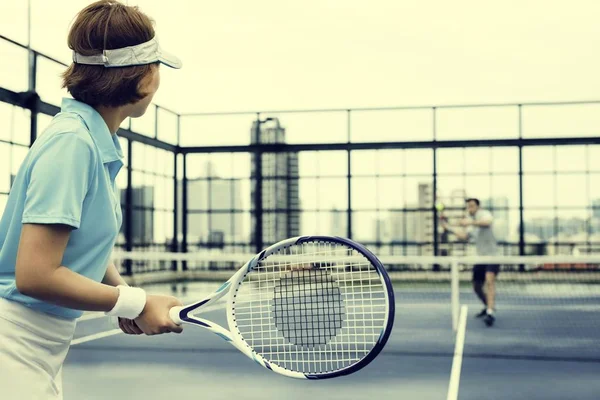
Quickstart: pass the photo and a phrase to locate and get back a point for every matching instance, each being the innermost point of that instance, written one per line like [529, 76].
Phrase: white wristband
[130, 304]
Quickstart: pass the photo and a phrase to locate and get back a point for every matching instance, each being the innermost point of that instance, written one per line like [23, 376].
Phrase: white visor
[141, 54]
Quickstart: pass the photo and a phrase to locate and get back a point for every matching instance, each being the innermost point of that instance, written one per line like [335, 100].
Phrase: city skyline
[395, 224]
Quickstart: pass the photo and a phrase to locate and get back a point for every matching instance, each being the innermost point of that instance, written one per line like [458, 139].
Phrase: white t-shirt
[483, 236]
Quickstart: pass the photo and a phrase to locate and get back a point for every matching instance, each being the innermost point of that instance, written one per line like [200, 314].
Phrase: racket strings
[312, 316]
[308, 315]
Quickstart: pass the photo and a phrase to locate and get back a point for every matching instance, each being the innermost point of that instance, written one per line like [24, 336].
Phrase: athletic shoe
[483, 313]
[489, 319]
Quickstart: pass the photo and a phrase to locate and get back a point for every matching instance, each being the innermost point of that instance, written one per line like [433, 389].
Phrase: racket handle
[174, 314]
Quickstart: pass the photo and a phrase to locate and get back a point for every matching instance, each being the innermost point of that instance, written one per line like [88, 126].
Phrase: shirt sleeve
[59, 179]
[486, 216]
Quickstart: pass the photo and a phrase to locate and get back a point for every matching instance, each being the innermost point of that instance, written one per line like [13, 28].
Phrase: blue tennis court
[515, 359]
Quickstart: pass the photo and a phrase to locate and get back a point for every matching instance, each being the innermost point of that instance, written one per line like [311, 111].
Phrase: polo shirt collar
[107, 143]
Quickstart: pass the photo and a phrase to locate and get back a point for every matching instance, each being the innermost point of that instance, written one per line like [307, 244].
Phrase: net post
[455, 292]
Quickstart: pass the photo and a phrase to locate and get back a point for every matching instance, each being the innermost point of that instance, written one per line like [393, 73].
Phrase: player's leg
[490, 288]
[478, 282]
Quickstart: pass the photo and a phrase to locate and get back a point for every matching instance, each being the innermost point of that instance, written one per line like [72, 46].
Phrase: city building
[280, 186]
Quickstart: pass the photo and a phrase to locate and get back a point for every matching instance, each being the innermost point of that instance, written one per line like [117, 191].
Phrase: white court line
[95, 336]
[458, 355]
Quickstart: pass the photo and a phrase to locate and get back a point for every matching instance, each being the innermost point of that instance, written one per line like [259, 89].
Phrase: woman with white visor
[63, 214]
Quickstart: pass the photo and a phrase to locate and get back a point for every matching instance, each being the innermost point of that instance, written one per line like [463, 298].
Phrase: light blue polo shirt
[68, 177]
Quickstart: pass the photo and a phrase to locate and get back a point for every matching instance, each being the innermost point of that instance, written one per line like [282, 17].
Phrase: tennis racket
[310, 307]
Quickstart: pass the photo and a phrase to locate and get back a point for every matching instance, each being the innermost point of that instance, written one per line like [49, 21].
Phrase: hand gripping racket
[310, 307]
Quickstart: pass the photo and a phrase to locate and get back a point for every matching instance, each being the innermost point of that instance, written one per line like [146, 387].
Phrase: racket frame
[183, 314]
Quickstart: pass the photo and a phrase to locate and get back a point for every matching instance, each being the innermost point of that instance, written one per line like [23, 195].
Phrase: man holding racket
[478, 229]
[63, 216]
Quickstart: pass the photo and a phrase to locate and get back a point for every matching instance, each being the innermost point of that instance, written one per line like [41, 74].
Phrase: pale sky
[273, 54]
[311, 54]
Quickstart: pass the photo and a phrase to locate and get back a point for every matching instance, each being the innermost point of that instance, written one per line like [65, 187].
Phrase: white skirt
[33, 347]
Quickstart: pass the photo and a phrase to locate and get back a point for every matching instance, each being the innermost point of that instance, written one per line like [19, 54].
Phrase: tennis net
[546, 307]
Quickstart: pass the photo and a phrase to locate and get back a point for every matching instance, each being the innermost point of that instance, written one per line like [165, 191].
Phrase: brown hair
[107, 24]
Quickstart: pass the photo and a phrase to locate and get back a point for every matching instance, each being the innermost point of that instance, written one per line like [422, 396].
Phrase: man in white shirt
[479, 231]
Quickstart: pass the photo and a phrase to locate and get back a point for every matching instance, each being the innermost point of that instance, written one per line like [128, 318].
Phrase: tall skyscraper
[280, 186]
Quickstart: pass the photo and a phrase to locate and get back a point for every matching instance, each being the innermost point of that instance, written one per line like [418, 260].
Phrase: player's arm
[40, 274]
[459, 233]
[483, 222]
[58, 184]
[112, 277]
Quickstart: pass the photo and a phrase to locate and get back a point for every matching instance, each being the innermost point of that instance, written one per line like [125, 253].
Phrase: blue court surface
[542, 349]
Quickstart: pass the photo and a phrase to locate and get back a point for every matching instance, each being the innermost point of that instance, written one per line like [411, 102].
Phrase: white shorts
[33, 347]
